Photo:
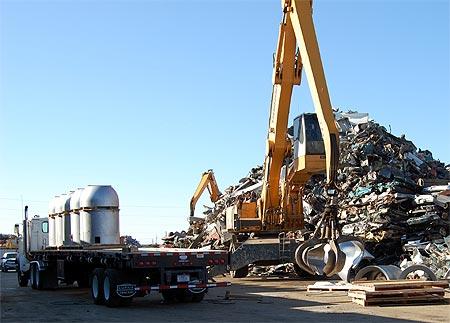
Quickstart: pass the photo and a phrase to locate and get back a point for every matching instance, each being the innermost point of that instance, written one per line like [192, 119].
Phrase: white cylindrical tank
[99, 215]
[75, 215]
[51, 222]
[59, 219]
[67, 237]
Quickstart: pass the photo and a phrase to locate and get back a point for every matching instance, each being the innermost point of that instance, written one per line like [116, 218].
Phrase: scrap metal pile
[384, 196]
[390, 194]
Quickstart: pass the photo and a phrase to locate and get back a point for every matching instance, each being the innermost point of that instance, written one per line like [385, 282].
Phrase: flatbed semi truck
[115, 273]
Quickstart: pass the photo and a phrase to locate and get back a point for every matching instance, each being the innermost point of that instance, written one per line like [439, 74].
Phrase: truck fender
[40, 264]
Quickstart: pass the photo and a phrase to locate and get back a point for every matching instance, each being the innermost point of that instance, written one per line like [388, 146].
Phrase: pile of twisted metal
[393, 196]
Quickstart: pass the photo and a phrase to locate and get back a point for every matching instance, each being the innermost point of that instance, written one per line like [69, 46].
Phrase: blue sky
[146, 95]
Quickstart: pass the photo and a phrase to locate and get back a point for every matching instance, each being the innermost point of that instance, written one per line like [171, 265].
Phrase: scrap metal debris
[434, 255]
[129, 241]
[285, 270]
[384, 192]
[390, 194]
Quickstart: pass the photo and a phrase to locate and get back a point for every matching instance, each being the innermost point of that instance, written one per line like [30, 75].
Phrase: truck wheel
[33, 276]
[22, 279]
[198, 295]
[239, 273]
[97, 286]
[39, 278]
[110, 282]
[184, 296]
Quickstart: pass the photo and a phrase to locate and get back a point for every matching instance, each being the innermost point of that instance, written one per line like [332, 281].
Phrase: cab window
[45, 227]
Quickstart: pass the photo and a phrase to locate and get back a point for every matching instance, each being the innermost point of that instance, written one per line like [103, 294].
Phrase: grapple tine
[331, 261]
[299, 252]
[314, 257]
[339, 258]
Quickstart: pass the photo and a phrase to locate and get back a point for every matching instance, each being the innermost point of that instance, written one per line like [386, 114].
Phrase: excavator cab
[309, 150]
[308, 137]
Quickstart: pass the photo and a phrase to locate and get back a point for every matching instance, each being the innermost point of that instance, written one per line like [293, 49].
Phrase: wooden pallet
[397, 292]
[399, 300]
[372, 286]
[328, 287]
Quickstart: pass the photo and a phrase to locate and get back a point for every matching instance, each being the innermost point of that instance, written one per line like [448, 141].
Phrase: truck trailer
[115, 273]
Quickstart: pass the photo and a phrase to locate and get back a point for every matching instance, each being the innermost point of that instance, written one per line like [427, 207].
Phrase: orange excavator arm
[207, 181]
[297, 49]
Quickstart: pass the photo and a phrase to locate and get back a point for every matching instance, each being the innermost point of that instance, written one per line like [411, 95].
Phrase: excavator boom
[315, 150]
[301, 13]
[297, 48]
[207, 181]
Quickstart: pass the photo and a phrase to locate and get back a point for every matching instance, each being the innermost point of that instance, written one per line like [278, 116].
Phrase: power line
[129, 205]
[13, 199]
[155, 206]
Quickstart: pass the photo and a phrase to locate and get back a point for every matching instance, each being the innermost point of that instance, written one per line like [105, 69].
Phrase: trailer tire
[97, 286]
[198, 297]
[110, 282]
[22, 279]
[39, 278]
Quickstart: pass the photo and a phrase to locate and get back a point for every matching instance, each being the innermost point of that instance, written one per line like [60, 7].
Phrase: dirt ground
[251, 300]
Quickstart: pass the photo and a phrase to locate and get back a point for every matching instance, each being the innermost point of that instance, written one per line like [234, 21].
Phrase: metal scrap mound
[390, 194]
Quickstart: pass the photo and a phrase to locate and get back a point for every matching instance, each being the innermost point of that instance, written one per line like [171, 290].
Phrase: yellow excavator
[259, 227]
[290, 162]
[207, 181]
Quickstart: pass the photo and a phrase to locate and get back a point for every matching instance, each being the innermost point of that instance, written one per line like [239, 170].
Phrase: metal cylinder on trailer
[59, 219]
[99, 215]
[67, 236]
[51, 223]
[75, 215]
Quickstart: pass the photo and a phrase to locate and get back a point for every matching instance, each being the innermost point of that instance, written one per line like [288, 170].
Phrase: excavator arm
[290, 162]
[207, 181]
[281, 201]
[297, 48]
[301, 15]
[286, 74]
